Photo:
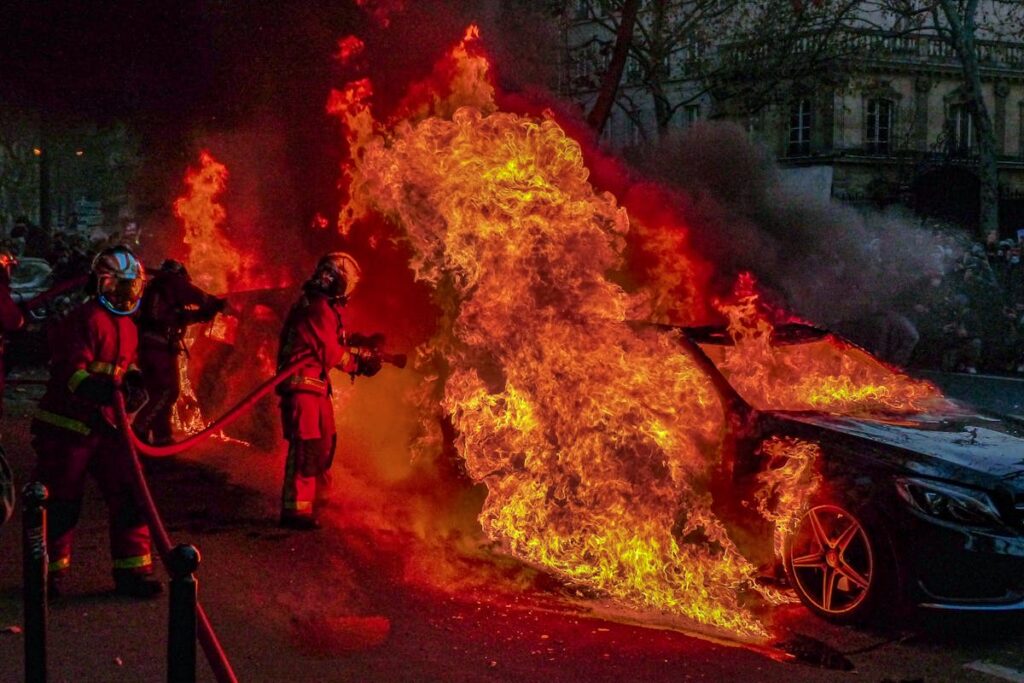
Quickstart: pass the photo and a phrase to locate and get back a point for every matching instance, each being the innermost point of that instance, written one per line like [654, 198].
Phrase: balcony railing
[881, 46]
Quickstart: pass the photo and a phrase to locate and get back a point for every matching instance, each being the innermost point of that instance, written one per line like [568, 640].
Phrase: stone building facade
[888, 125]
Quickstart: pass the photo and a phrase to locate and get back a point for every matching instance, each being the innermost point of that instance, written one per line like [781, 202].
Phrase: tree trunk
[656, 72]
[965, 43]
[598, 117]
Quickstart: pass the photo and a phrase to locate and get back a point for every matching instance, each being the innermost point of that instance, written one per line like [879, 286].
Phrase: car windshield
[802, 368]
[30, 274]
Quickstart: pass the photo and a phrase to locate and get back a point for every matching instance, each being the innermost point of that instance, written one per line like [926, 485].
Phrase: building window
[961, 129]
[633, 71]
[800, 128]
[753, 126]
[1020, 134]
[879, 126]
[634, 129]
[691, 114]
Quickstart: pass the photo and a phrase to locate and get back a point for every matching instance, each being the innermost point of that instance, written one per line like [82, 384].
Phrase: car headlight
[949, 502]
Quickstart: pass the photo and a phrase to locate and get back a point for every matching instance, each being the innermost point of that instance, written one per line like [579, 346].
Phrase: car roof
[786, 333]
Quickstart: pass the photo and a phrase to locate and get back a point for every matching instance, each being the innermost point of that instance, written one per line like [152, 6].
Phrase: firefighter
[93, 355]
[11, 318]
[313, 332]
[170, 304]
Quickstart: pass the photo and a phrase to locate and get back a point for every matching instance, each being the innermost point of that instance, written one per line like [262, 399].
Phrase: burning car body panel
[938, 489]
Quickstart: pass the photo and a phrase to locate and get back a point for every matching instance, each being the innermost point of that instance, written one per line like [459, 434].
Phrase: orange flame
[212, 260]
[787, 483]
[829, 375]
[595, 440]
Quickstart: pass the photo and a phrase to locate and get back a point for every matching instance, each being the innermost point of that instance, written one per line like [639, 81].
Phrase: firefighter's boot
[134, 585]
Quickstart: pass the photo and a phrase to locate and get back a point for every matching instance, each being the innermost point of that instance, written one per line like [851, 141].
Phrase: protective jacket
[313, 331]
[169, 305]
[90, 349]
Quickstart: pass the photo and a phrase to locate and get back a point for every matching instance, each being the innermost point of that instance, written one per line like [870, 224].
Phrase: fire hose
[215, 654]
[54, 292]
[218, 425]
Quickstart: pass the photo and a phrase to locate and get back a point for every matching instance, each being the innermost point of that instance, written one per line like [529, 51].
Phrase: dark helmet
[336, 275]
[119, 279]
[7, 262]
[174, 267]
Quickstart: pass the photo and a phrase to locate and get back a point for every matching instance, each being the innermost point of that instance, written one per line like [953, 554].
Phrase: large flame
[212, 259]
[597, 439]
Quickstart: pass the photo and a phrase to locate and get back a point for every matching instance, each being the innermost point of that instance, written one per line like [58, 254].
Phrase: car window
[30, 274]
[827, 374]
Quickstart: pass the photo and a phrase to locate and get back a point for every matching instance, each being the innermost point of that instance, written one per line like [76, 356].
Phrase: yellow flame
[212, 259]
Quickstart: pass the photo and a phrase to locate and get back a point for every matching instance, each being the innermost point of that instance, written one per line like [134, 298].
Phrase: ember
[349, 47]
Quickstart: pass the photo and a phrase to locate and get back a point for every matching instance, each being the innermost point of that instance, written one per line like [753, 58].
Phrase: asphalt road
[376, 596]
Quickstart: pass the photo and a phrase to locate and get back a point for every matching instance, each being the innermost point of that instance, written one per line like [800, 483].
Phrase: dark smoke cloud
[827, 262]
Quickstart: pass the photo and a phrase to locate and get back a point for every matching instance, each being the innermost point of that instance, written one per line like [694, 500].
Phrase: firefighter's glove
[97, 389]
[135, 395]
[368, 364]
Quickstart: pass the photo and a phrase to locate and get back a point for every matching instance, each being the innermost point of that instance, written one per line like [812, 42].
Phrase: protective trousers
[64, 458]
[306, 474]
[163, 385]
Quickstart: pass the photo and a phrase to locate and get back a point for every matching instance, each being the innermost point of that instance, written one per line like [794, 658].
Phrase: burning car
[921, 502]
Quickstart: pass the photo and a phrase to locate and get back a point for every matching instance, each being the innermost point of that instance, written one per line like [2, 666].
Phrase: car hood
[985, 443]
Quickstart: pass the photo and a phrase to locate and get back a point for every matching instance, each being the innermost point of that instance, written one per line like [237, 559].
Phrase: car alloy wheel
[832, 563]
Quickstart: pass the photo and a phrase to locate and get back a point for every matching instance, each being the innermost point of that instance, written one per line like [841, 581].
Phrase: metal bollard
[183, 560]
[35, 564]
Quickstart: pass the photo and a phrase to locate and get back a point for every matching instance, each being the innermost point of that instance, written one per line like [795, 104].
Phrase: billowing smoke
[826, 262]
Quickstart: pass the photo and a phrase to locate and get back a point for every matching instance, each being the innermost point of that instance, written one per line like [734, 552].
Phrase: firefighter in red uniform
[93, 354]
[11, 318]
[313, 331]
[170, 303]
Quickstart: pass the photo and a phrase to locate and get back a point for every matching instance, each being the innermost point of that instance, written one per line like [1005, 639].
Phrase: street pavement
[386, 593]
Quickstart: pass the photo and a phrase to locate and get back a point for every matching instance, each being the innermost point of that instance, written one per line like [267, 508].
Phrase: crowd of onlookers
[971, 318]
[68, 250]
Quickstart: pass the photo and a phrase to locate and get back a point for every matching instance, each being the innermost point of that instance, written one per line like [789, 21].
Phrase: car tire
[839, 565]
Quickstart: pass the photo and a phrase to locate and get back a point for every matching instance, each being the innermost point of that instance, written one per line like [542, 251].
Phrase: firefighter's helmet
[119, 279]
[7, 262]
[336, 275]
